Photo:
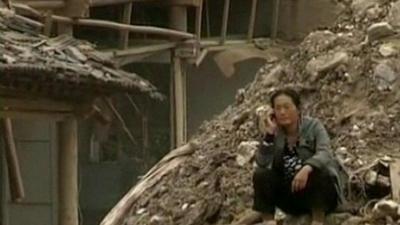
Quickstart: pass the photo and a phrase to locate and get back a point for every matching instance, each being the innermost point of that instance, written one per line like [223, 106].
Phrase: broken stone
[384, 75]
[141, 211]
[385, 208]
[239, 119]
[388, 50]
[185, 206]
[320, 40]
[156, 219]
[240, 96]
[342, 151]
[373, 12]
[353, 220]
[379, 30]
[386, 159]
[246, 152]
[394, 14]
[371, 177]
[326, 62]
[360, 6]
[331, 219]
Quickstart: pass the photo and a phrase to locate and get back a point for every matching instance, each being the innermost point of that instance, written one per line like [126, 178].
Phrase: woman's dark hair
[291, 93]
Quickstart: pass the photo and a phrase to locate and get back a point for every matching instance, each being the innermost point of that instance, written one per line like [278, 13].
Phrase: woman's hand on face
[270, 123]
[299, 182]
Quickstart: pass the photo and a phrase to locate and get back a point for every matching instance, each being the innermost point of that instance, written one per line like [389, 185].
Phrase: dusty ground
[348, 76]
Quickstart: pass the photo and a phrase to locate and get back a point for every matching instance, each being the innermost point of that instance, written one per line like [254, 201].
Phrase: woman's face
[286, 112]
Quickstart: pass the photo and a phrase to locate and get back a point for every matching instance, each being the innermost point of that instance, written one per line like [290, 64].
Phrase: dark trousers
[271, 191]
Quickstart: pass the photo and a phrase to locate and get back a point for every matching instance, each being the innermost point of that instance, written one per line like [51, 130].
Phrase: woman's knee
[320, 180]
[264, 178]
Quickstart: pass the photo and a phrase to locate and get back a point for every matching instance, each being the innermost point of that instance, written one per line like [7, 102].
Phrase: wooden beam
[275, 19]
[137, 54]
[122, 121]
[126, 19]
[68, 199]
[124, 27]
[225, 19]
[32, 115]
[207, 43]
[252, 20]
[194, 3]
[14, 172]
[395, 179]
[133, 104]
[49, 4]
[142, 50]
[174, 34]
[35, 105]
[158, 57]
[199, 20]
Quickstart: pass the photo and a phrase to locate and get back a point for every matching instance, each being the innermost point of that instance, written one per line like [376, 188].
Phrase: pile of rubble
[27, 56]
[348, 77]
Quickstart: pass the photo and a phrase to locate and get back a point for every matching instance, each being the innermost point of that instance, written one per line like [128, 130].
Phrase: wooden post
[126, 18]
[63, 28]
[178, 21]
[68, 172]
[225, 19]
[48, 24]
[199, 19]
[275, 19]
[172, 107]
[252, 20]
[207, 18]
[180, 101]
[14, 171]
[178, 18]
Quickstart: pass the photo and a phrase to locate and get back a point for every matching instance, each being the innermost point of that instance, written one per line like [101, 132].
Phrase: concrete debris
[344, 93]
[388, 50]
[359, 7]
[240, 97]
[385, 75]
[379, 30]
[326, 62]
[246, 152]
[394, 14]
[331, 219]
[157, 220]
[386, 208]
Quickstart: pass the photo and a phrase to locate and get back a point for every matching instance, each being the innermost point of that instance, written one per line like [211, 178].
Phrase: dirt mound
[348, 77]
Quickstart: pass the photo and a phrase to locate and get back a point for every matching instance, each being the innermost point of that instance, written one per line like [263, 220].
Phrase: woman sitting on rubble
[296, 171]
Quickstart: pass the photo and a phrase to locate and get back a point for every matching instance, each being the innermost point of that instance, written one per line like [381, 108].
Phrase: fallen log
[167, 164]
